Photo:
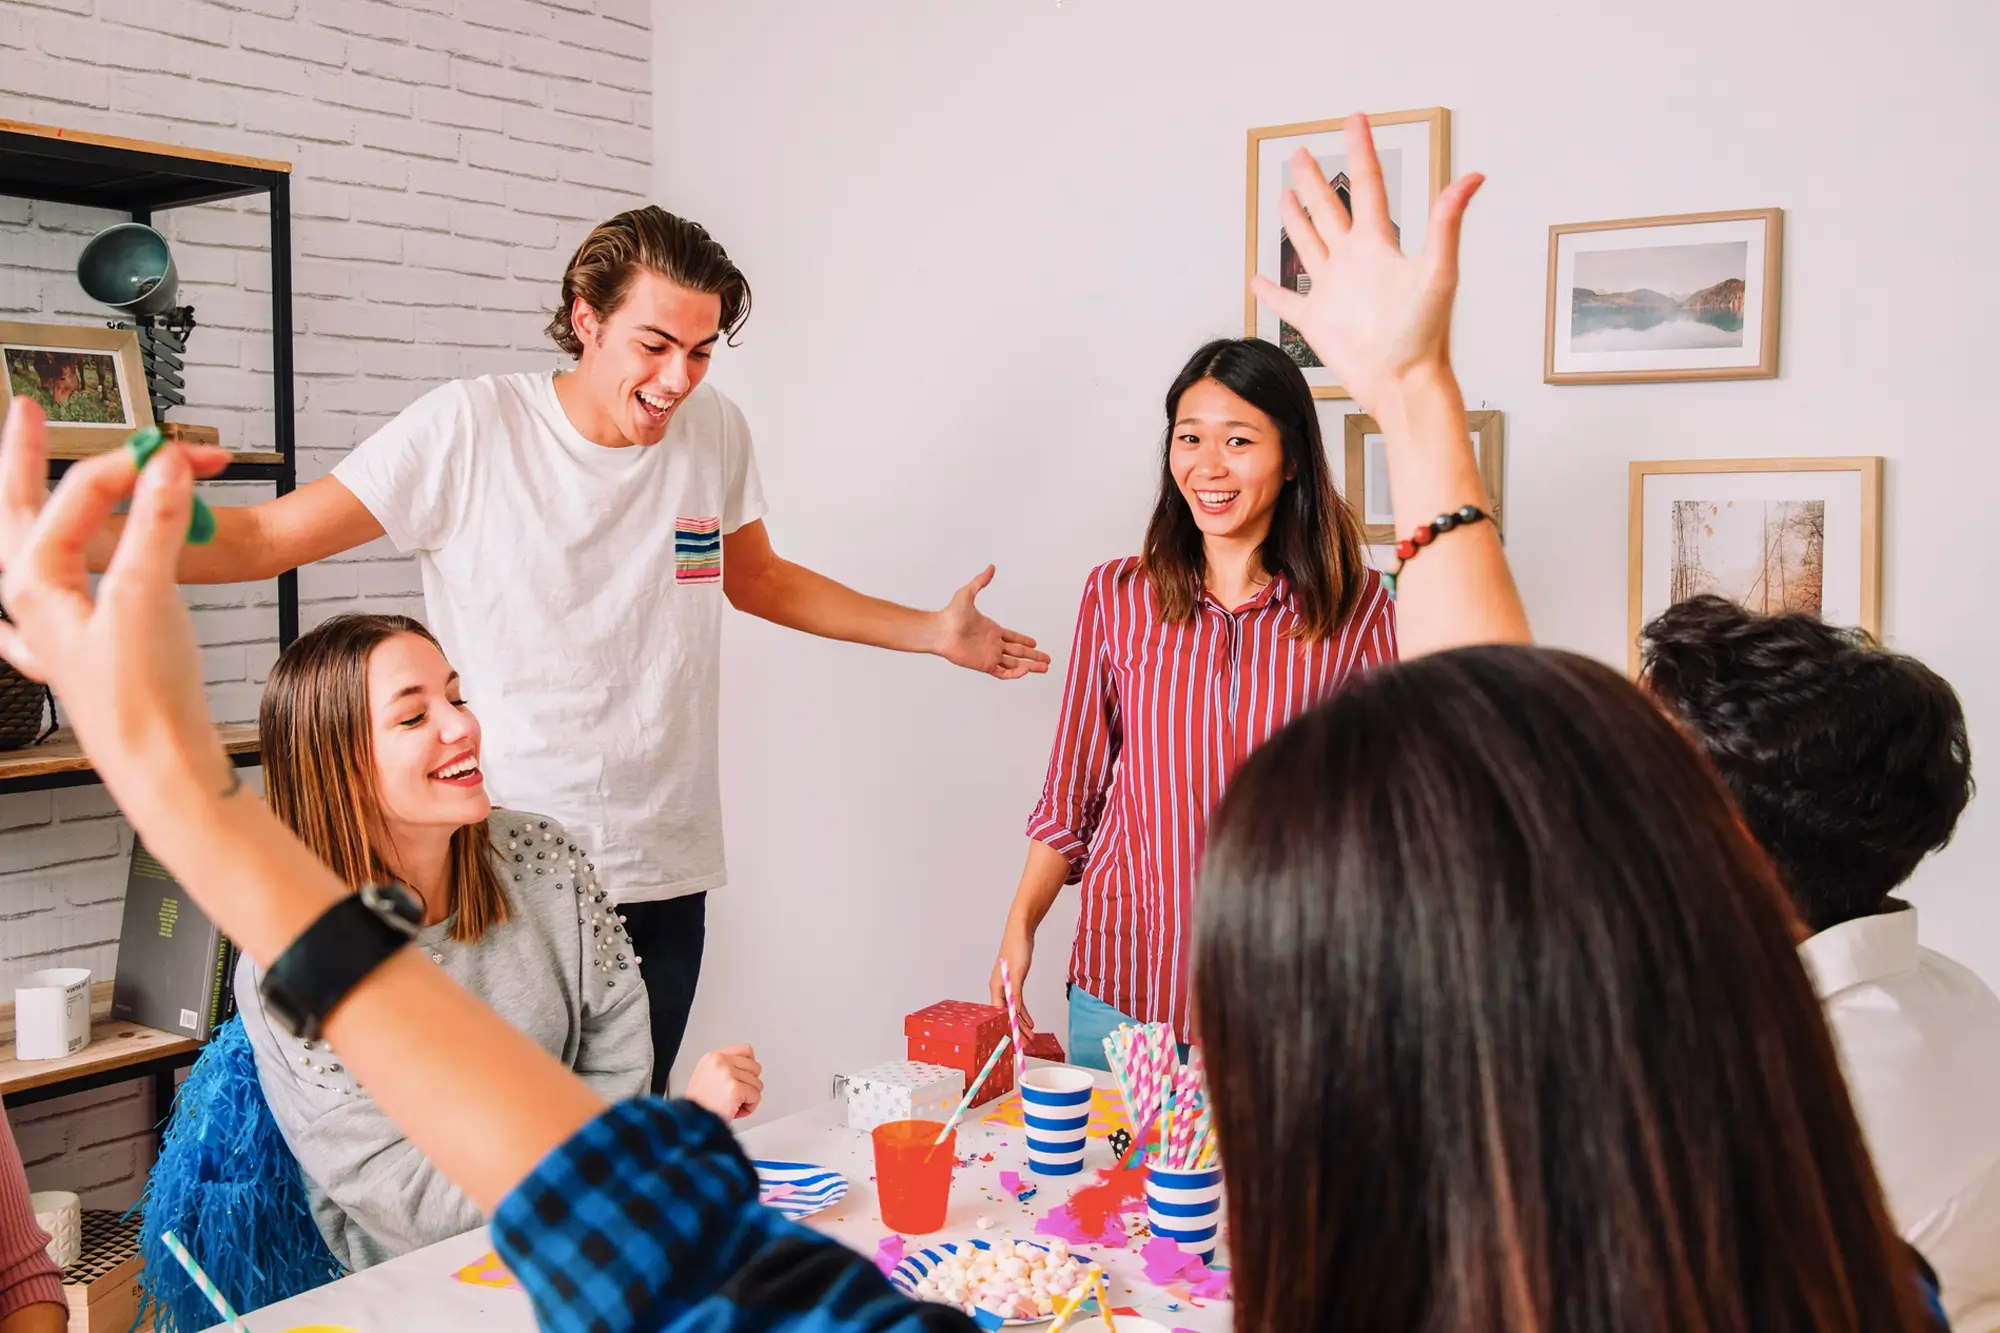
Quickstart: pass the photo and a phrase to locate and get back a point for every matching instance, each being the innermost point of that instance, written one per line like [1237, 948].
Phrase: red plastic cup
[913, 1174]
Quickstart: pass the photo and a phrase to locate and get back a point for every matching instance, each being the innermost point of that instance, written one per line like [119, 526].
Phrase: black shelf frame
[140, 180]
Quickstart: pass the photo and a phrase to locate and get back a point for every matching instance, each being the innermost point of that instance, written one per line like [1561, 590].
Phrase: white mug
[60, 1213]
[52, 1013]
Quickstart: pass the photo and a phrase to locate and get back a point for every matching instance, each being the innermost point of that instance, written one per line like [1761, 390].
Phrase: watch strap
[332, 956]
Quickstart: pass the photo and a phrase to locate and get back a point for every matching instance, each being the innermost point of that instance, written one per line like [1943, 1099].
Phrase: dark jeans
[668, 937]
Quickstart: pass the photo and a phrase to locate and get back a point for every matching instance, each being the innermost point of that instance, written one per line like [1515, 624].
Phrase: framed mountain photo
[1646, 300]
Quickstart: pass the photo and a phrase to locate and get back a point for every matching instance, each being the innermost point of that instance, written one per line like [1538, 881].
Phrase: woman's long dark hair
[1315, 539]
[1506, 1030]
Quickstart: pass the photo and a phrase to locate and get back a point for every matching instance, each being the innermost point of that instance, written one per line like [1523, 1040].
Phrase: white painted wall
[983, 237]
[448, 156]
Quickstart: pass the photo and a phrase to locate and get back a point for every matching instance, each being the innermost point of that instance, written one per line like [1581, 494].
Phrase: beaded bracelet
[1406, 549]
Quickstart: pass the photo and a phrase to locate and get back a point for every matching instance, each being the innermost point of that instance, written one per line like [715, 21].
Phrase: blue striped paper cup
[1185, 1207]
[1055, 1099]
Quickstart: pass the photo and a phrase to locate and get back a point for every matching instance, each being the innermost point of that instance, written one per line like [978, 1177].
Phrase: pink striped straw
[1014, 1023]
[1187, 1086]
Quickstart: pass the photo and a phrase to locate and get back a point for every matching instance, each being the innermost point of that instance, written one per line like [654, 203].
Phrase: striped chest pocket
[698, 550]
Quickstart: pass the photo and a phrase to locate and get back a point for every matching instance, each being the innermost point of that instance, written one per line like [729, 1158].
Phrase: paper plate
[904, 1276]
[799, 1189]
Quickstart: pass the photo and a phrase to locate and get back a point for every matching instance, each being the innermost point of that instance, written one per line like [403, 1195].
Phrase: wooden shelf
[61, 754]
[142, 146]
[71, 453]
[113, 1046]
[127, 175]
[185, 433]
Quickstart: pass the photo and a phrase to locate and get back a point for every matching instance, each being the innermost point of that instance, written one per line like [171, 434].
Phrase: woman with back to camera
[1406, 960]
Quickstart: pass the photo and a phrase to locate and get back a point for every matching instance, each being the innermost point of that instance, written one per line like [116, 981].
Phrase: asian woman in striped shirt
[1248, 603]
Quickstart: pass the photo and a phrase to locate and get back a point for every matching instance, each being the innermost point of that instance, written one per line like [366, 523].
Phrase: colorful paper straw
[1076, 1300]
[1104, 1302]
[965, 1102]
[207, 1288]
[1014, 1022]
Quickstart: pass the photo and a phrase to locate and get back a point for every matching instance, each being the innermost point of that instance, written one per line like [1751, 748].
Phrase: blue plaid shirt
[648, 1220]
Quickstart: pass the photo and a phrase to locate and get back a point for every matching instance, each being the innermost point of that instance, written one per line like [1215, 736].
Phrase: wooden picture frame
[1489, 444]
[76, 371]
[1643, 328]
[1848, 496]
[1412, 192]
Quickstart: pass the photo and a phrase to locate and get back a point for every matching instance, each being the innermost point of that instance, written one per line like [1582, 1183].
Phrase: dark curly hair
[602, 269]
[1849, 763]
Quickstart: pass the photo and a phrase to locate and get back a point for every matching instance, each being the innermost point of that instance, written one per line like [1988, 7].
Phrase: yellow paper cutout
[1107, 1113]
[486, 1271]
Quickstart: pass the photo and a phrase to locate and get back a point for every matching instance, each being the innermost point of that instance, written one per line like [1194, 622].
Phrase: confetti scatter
[486, 1271]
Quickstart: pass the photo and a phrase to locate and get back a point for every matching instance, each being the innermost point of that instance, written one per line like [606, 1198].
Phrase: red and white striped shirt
[1155, 719]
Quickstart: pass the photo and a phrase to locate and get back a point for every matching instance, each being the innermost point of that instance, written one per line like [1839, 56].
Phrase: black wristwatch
[351, 939]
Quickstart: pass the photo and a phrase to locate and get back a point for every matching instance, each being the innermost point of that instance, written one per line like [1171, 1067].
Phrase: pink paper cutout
[1061, 1222]
[776, 1192]
[1166, 1264]
[889, 1253]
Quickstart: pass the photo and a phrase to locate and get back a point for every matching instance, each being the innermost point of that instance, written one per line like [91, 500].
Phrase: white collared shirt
[1919, 1041]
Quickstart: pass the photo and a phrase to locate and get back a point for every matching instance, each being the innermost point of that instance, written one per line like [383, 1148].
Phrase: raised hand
[1374, 315]
[124, 663]
[969, 638]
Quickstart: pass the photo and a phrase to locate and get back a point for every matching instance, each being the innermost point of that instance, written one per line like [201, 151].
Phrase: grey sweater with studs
[560, 969]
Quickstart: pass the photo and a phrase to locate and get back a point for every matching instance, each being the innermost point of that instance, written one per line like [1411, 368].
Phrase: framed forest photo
[1770, 534]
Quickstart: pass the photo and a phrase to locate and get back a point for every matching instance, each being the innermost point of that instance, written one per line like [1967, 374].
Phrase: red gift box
[959, 1034]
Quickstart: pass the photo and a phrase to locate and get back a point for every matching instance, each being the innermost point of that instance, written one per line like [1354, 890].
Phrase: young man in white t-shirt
[578, 535]
[1850, 764]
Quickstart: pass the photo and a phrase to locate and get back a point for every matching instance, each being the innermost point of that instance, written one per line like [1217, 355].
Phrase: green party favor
[201, 524]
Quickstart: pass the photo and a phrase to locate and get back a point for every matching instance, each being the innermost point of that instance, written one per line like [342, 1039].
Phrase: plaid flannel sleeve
[647, 1220]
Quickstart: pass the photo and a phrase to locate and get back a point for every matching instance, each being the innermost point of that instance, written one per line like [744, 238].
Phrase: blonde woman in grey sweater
[371, 755]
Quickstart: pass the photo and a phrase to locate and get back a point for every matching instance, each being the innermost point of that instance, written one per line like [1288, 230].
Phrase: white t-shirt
[577, 590]
[1919, 1042]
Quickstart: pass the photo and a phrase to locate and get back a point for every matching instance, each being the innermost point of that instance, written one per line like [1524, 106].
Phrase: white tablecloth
[418, 1290]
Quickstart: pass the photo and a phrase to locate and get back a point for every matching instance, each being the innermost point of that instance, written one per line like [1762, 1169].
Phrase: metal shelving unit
[140, 179]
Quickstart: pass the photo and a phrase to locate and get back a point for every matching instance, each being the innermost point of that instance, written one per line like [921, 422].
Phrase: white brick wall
[441, 150]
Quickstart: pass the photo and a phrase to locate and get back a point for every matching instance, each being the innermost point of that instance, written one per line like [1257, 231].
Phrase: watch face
[394, 904]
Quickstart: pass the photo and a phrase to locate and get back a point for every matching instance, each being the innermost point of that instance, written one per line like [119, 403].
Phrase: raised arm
[262, 541]
[1382, 321]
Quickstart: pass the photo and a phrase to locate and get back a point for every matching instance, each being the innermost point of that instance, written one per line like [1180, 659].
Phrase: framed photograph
[1415, 151]
[1645, 300]
[89, 381]
[1367, 475]
[1770, 534]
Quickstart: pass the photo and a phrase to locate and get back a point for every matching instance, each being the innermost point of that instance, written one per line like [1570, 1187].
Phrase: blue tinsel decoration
[229, 1189]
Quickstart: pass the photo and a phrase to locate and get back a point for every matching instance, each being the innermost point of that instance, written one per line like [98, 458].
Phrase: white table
[418, 1291]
